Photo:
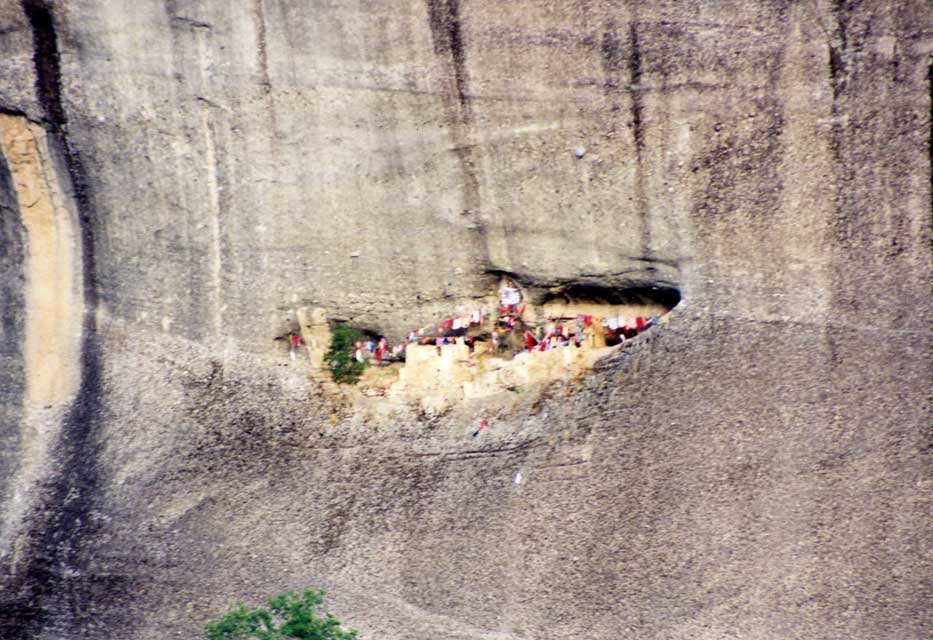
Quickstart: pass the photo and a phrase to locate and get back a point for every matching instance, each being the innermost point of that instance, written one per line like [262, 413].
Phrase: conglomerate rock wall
[757, 468]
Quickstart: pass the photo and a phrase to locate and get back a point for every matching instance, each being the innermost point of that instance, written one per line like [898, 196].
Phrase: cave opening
[664, 296]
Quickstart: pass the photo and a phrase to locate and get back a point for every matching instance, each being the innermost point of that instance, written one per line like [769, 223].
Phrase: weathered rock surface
[759, 468]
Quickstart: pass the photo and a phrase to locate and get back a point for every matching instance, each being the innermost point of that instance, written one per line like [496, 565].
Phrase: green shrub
[290, 615]
[339, 359]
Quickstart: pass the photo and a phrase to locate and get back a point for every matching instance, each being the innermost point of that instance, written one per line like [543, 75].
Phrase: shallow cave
[654, 295]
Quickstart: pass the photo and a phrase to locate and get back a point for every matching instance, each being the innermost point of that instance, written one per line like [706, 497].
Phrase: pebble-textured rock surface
[757, 468]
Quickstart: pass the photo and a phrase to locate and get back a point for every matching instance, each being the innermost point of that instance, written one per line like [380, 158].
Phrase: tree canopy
[339, 357]
[290, 615]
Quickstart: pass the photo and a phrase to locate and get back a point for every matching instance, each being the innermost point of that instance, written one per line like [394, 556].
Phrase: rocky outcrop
[50, 307]
[756, 468]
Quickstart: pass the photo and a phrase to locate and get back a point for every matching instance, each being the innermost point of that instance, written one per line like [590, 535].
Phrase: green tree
[290, 615]
[339, 358]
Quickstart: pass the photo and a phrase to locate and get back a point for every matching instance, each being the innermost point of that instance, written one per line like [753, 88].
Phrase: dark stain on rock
[55, 586]
[447, 38]
[638, 134]
[634, 61]
[838, 78]
[262, 47]
[444, 19]
[612, 58]
[191, 22]
[47, 62]
[837, 69]
[837, 48]
[840, 9]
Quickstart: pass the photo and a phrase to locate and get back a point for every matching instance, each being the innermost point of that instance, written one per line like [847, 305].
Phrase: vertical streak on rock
[836, 51]
[638, 133]
[838, 80]
[444, 20]
[837, 46]
[930, 125]
[262, 47]
[47, 63]
[207, 129]
[447, 37]
[51, 577]
[634, 61]
[216, 258]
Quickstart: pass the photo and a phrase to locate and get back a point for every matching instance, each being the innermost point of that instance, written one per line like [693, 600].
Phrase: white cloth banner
[510, 296]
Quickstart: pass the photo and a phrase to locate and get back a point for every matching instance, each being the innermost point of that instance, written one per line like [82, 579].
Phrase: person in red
[295, 343]
[382, 349]
[529, 341]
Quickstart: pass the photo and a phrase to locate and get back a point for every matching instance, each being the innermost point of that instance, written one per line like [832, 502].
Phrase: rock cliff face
[178, 178]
